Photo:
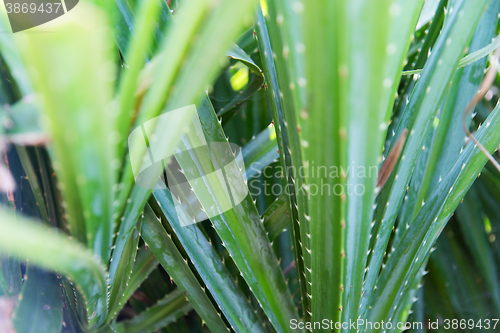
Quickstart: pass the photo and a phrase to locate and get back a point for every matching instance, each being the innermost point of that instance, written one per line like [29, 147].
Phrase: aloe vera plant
[246, 166]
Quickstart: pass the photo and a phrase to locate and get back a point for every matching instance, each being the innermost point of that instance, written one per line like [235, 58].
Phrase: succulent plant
[221, 165]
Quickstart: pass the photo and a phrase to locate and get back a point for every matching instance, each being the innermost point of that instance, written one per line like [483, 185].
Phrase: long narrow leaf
[169, 257]
[42, 247]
